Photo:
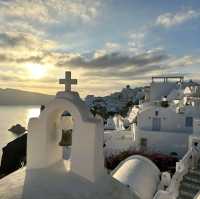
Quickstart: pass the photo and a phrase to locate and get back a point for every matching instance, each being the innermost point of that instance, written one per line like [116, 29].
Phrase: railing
[197, 196]
[182, 168]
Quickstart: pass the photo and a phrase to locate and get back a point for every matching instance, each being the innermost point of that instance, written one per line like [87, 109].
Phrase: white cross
[68, 81]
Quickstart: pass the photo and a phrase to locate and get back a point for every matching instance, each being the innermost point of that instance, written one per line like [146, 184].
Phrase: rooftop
[166, 78]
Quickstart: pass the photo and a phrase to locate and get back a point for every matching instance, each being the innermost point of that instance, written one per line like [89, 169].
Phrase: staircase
[190, 184]
[186, 181]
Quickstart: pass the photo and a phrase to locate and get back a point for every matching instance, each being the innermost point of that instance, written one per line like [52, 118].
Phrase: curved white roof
[140, 174]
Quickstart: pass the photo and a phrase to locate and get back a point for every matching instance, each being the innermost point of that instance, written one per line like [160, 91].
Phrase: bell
[66, 139]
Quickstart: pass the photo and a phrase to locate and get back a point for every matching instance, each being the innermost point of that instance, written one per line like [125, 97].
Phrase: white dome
[140, 174]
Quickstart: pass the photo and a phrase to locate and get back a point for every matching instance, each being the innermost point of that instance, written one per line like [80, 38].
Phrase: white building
[115, 101]
[168, 121]
[110, 124]
[168, 117]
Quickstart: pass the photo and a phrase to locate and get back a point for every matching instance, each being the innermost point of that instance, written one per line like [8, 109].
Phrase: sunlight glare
[32, 112]
[36, 71]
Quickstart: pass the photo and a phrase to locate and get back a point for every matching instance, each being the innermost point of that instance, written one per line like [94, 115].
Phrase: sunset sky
[107, 44]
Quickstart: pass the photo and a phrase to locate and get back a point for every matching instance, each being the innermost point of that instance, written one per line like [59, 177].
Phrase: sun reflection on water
[32, 112]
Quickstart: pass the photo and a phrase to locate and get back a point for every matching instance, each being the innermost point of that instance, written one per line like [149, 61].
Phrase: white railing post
[182, 168]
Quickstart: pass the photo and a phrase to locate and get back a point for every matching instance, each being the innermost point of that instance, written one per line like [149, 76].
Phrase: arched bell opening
[47, 132]
[66, 130]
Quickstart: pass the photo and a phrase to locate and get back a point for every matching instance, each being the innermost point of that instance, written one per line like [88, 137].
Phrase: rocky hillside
[19, 97]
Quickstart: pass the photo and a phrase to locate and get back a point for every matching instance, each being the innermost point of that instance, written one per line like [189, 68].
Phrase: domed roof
[138, 172]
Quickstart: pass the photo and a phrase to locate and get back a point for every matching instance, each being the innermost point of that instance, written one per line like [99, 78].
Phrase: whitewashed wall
[164, 142]
[170, 120]
[160, 89]
[118, 141]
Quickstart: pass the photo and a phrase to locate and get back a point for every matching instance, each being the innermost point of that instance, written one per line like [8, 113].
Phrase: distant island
[18, 97]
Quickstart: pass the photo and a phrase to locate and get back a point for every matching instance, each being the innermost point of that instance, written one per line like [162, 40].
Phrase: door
[156, 124]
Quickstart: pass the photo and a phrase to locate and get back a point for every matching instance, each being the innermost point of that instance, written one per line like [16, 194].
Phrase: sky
[106, 44]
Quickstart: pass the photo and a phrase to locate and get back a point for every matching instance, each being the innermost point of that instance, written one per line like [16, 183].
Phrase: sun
[36, 71]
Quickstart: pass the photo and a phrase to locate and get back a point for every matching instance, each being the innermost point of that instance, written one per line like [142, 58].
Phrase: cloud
[50, 11]
[130, 74]
[108, 48]
[9, 78]
[184, 61]
[12, 40]
[85, 10]
[112, 65]
[168, 20]
[146, 71]
[115, 69]
[125, 66]
[19, 47]
[120, 65]
[136, 41]
[25, 39]
[113, 60]
[112, 46]
[19, 39]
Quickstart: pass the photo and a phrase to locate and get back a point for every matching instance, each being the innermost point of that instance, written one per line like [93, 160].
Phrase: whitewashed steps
[190, 185]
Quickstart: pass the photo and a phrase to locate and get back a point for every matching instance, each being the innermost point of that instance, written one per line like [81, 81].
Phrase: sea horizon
[12, 115]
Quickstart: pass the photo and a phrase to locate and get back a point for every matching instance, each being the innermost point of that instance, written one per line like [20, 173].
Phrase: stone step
[195, 172]
[186, 193]
[191, 180]
[184, 197]
[198, 165]
[189, 188]
[192, 177]
[190, 184]
[197, 168]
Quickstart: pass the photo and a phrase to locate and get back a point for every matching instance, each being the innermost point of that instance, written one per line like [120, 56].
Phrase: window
[189, 121]
[143, 144]
[156, 113]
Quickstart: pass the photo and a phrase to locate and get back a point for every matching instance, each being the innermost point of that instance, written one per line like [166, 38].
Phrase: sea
[12, 115]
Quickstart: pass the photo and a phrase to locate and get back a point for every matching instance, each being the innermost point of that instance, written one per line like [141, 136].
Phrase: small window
[143, 144]
[156, 113]
[189, 121]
